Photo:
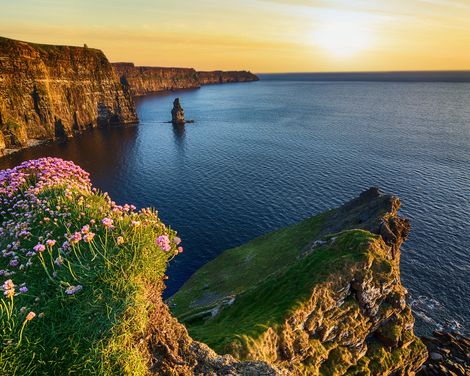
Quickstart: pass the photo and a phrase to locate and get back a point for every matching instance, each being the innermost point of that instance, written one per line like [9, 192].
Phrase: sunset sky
[259, 35]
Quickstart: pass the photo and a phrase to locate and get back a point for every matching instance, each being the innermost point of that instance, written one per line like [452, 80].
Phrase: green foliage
[95, 330]
[269, 292]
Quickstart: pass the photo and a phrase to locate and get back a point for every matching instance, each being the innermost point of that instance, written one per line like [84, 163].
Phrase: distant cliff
[146, 80]
[48, 92]
[222, 77]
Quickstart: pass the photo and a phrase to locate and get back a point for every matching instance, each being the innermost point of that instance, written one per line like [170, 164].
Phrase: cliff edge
[147, 80]
[49, 92]
[320, 297]
[82, 281]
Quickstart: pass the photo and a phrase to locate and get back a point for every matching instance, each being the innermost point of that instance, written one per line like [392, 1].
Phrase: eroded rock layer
[48, 92]
[223, 77]
[334, 306]
[146, 80]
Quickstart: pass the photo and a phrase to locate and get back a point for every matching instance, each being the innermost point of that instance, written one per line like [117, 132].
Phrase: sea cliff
[82, 281]
[320, 297]
[49, 92]
[222, 77]
[147, 80]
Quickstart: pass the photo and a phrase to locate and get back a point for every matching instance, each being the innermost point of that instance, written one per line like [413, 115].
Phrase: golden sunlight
[342, 38]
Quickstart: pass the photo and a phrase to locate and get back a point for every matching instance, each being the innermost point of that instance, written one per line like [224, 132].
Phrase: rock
[145, 80]
[348, 317]
[49, 92]
[177, 113]
[449, 354]
[436, 356]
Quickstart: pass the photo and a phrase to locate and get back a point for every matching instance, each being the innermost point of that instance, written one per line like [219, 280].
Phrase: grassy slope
[238, 269]
[95, 331]
[266, 292]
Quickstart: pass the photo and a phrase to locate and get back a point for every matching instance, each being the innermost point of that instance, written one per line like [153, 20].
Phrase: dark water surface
[266, 154]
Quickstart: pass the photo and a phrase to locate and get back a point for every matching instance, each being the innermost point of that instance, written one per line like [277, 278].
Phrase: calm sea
[266, 154]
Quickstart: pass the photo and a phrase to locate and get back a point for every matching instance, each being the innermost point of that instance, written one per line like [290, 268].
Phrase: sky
[257, 35]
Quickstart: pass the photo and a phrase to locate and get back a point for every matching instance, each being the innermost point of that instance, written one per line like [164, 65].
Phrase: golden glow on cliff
[260, 35]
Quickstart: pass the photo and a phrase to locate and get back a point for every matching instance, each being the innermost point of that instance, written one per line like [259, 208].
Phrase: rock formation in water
[177, 112]
[49, 92]
[146, 80]
[320, 297]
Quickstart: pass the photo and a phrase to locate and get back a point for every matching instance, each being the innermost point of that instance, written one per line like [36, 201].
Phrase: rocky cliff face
[222, 77]
[146, 80]
[47, 92]
[321, 297]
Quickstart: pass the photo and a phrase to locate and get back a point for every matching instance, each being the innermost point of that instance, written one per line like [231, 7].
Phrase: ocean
[266, 154]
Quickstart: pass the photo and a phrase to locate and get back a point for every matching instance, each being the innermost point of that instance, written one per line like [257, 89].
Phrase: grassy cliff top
[75, 271]
[227, 300]
[319, 297]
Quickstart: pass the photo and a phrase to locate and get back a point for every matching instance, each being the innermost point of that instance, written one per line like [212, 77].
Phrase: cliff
[222, 77]
[320, 297]
[48, 92]
[82, 281]
[146, 80]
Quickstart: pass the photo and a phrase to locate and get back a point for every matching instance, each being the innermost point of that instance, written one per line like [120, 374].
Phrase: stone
[435, 356]
[49, 92]
[177, 113]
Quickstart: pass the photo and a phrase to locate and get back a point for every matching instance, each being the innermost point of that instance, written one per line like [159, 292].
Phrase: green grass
[97, 330]
[238, 269]
[270, 282]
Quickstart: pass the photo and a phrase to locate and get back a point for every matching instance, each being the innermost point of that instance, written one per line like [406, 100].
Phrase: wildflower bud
[31, 315]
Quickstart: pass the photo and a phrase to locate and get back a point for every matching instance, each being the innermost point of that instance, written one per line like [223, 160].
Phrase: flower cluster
[53, 225]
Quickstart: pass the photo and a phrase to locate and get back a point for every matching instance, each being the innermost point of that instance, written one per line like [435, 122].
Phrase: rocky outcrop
[177, 112]
[173, 352]
[335, 306]
[222, 77]
[449, 354]
[49, 92]
[146, 80]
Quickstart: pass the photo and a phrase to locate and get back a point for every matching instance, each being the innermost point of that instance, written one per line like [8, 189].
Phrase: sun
[342, 38]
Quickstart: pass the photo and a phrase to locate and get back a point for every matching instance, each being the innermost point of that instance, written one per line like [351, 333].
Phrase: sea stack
[177, 113]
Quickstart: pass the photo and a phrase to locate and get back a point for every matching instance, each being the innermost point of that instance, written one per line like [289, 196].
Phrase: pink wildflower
[85, 229]
[87, 238]
[50, 242]
[75, 238]
[107, 222]
[164, 243]
[176, 240]
[39, 247]
[8, 284]
[31, 315]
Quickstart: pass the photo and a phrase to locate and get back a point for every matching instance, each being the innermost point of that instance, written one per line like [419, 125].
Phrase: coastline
[50, 92]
